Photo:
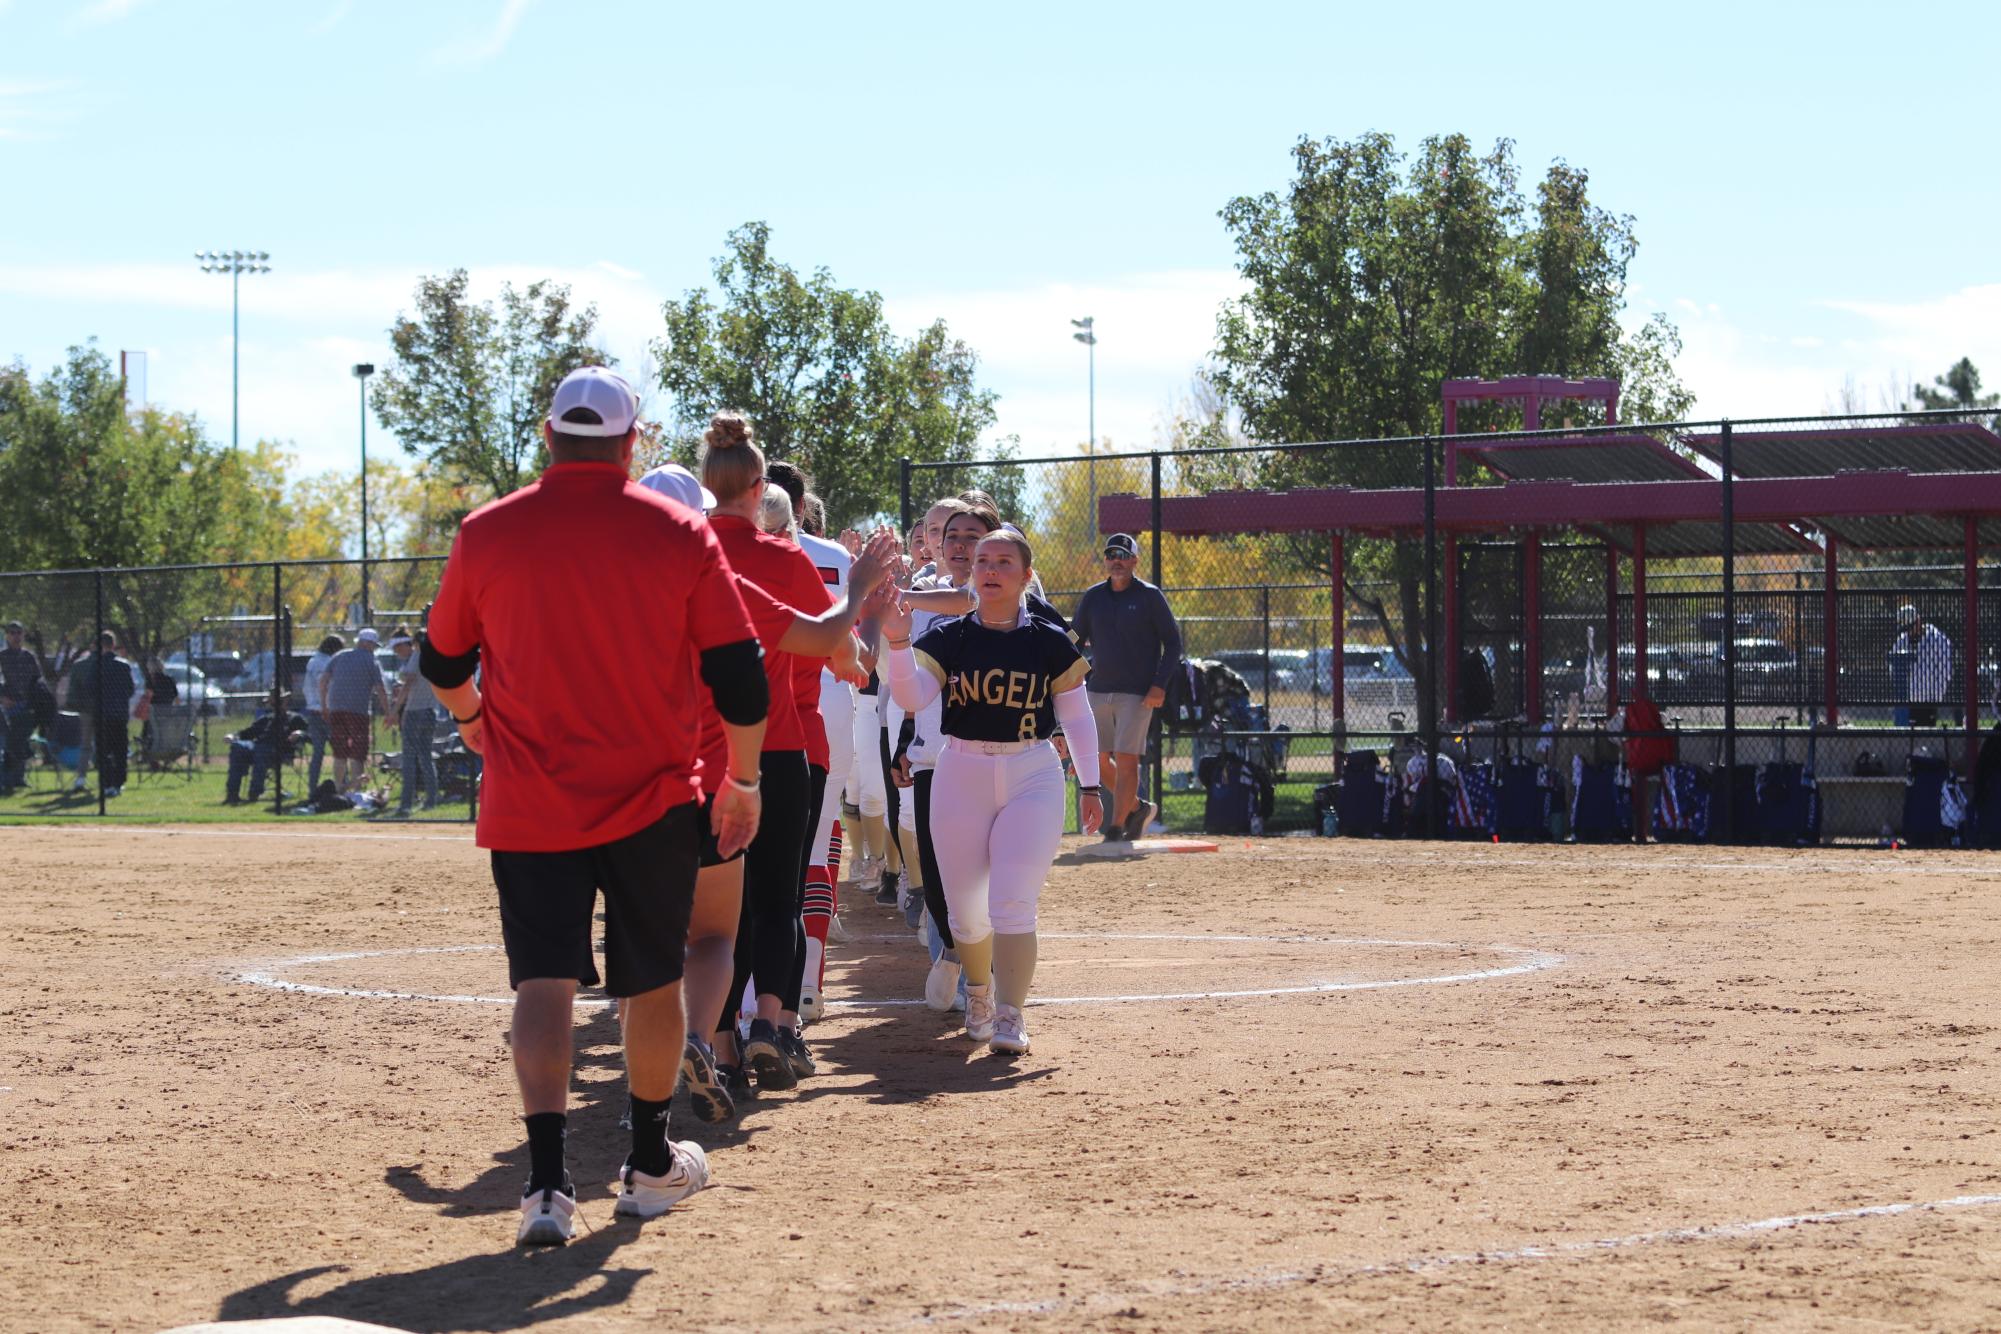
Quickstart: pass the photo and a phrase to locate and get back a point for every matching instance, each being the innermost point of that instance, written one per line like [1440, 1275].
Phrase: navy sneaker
[765, 1054]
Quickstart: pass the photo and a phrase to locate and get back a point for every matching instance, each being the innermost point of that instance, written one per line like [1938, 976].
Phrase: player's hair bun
[731, 462]
[728, 430]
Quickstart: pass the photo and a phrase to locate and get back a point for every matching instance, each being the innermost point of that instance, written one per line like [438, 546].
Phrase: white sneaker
[980, 1012]
[1010, 1033]
[548, 1217]
[810, 1010]
[643, 1196]
[837, 930]
[867, 878]
[941, 987]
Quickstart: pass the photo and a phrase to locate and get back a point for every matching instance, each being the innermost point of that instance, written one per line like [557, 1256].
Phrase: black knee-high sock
[545, 1151]
[650, 1153]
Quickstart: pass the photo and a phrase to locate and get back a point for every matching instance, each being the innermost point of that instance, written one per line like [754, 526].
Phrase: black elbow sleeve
[734, 674]
[443, 670]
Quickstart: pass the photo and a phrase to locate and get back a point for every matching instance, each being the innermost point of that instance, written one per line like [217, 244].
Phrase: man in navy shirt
[1135, 648]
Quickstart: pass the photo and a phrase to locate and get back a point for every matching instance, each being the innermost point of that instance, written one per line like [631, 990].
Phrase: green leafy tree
[1959, 388]
[96, 488]
[471, 383]
[823, 378]
[1376, 276]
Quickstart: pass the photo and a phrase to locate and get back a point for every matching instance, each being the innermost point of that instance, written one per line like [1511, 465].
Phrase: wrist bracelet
[740, 785]
[473, 717]
[896, 643]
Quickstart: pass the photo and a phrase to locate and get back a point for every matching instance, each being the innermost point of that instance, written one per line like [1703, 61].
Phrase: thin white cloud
[28, 106]
[479, 50]
[1838, 355]
[332, 18]
[109, 11]
[1154, 330]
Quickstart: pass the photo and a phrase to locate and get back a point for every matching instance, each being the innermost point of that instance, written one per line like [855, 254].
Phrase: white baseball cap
[368, 637]
[594, 401]
[677, 483]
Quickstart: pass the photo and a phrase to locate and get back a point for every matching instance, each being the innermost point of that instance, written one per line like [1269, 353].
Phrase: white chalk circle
[1513, 961]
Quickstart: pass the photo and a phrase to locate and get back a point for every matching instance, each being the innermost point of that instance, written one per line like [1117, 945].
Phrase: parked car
[1284, 669]
[196, 690]
[257, 671]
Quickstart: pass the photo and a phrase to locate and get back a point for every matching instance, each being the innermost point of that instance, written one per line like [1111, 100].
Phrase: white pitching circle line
[1526, 961]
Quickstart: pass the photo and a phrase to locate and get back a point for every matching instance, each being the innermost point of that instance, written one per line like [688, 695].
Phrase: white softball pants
[996, 822]
[837, 711]
[866, 783]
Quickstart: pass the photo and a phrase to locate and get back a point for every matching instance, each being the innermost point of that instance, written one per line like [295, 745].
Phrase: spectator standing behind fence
[21, 682]
[415, 707]
[1930, 663]
[1135, 649]
[353, 683]
[101, 688]
[317, 733]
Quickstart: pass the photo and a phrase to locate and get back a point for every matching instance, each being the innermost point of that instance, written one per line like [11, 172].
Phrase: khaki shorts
[1122, 722]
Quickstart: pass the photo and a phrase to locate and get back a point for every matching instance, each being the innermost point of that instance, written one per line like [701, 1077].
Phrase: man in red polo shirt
[595, 790]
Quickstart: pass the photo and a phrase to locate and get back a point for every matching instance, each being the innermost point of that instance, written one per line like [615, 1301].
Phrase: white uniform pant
[837, 711]
[996, 822]
[866, 782]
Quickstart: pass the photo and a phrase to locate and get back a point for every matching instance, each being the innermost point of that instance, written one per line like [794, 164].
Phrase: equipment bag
[1788, 805]
[1364, 791]
[1601, 806]
[1522, 810]
[1231, 795]
[1924, 786]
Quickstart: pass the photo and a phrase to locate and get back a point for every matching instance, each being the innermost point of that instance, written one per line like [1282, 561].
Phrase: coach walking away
[592, 789]
[21, 686]
[1135, 649]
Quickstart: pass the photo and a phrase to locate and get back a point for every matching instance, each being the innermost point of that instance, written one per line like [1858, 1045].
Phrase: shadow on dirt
[514, 1289]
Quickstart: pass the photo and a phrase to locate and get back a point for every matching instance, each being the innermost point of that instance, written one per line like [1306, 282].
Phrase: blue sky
[1811, 188]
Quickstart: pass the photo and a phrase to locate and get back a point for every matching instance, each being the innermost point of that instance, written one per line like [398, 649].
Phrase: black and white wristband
[739, 784]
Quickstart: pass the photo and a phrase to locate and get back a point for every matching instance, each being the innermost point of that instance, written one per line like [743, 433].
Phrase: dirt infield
[1652, 1064]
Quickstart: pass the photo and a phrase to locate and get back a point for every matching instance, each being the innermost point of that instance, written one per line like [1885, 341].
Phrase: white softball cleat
[980, 1012]
[1010, 1033]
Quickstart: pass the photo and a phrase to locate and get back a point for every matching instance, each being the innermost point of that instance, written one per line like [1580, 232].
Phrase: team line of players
[935, 722]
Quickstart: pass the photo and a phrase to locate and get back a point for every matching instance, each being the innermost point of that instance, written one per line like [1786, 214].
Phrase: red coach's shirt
[806, 698]
[585, 594]
[771, 619]
[780, 568]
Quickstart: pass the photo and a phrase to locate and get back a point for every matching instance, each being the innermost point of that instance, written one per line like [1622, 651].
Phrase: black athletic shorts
[548, 902]
[711, 856]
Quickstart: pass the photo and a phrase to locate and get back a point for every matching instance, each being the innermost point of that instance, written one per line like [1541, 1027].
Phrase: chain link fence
[1360, 616]
[174, 694]
[1442, 636]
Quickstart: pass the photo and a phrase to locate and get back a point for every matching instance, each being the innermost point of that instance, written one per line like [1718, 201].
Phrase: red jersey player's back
[590, 692]
[778, 566]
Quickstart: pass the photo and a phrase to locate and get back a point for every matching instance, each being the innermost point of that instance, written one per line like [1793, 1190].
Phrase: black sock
[545, 1151]
[650, 1153]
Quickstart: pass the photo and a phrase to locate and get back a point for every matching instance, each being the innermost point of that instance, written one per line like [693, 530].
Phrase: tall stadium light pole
[235, 263]
[1088, 336]
[362, 371]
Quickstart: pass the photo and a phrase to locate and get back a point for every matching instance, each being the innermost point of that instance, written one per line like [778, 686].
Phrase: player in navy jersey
[1005, 679]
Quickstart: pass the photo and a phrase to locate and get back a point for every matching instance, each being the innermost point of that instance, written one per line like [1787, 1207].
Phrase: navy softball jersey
[997, 685]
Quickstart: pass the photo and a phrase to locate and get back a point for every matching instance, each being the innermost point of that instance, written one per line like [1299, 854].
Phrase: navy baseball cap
[1122, 544]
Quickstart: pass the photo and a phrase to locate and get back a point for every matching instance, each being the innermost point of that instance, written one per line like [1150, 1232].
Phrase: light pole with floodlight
[1089, 338]
[362, 371]
[235, 263]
